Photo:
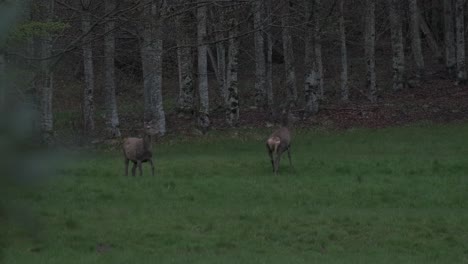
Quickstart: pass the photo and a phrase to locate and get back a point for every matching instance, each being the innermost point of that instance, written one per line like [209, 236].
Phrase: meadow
[395, 195]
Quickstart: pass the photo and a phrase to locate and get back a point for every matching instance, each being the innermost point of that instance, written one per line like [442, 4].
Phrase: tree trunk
[416, 38]
[449, 37]
[460, 39]
[370, 50]
[3, 82]
[112, 117]
[344, 55]
[184, 59]
[203, 119]
[260, 62]
[45, 76]
[219, 65]
[269, 56]
[318, 48]
[397, 45]
[233, 97]
[311, 85]
[288, 52]
[88, 95]
[429, 36]
[151, 56]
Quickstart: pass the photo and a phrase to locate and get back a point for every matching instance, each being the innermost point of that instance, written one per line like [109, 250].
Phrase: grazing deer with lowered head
[138, 150]
[280, 142]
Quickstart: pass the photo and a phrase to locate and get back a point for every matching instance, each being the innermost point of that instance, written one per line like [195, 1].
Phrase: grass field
[396, 195]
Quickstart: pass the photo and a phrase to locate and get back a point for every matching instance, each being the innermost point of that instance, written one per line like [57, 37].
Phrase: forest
[99, 69]
[233, 131]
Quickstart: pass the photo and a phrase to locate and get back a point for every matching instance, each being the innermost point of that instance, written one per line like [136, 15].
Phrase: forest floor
[389, 195]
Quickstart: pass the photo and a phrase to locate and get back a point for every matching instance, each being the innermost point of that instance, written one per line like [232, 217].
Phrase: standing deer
[279, 142]
[138, 150]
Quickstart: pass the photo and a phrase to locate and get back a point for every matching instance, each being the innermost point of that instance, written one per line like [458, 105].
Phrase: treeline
[224, 39]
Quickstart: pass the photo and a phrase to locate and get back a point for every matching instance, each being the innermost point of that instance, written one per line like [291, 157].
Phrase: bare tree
[318, 48]
[416, 38]
[269, 55]
[44, 78]
[233, 96]
[3, 84]
[344, 55]
[151, 57]
[370, 49]
[203, 119]
[311, 84]
[460, 38]
[288, 52]
[397, 44]
[112, 117]
[88, 95]
[184, 59]
[260, 62]
[449, 37]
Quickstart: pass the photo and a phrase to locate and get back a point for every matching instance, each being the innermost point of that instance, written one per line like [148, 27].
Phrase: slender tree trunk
[3, 82]
[221, 58]
[429, 36]
[88, 95]
[269, 56]
[460, 39]
[151, 56]
[288, 52]
[370, 50]
[318, 48]
[449, 37]
[45, 75]
[397, 45]
[311, 84]
[233, 96]
[436, 19]
[112, 117]
[416, 38]
[344, 55]
[203, 121]
[260, 62]
[184, 59]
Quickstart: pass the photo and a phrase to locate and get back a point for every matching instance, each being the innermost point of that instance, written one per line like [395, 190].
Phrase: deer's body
[277, 144]
[138, 151]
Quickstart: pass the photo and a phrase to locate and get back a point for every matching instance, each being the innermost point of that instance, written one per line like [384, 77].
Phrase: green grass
[395, 195]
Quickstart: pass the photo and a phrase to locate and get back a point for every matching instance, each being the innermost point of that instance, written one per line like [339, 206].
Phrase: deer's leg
[139, 167]
[126, 166]
[289, 156]
[271, 159]
[134, 168]
[152, 166]
[277, 161]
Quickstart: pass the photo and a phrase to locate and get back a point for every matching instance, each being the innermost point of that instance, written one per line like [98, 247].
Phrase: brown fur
[138, 150]
[277, 144]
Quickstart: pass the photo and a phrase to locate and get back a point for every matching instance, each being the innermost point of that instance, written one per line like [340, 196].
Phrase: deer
[279, 142]
[138, 150]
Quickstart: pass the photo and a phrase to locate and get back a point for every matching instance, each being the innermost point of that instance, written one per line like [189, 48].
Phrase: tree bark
[288, 52]
[203, 119]
[3, 83]
[233, 96]
[184, 59]
[151, 56]
[398, 51]
[449, 37]
[311, 84]
[112, 117]
[260, 62]
[416, 38]
[269, 56]
[318, 49]
[370, 50]
[88, 67]
[460, 39]
[344, 55]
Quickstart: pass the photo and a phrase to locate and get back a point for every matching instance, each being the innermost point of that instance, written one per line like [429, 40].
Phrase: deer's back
[134, 149]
